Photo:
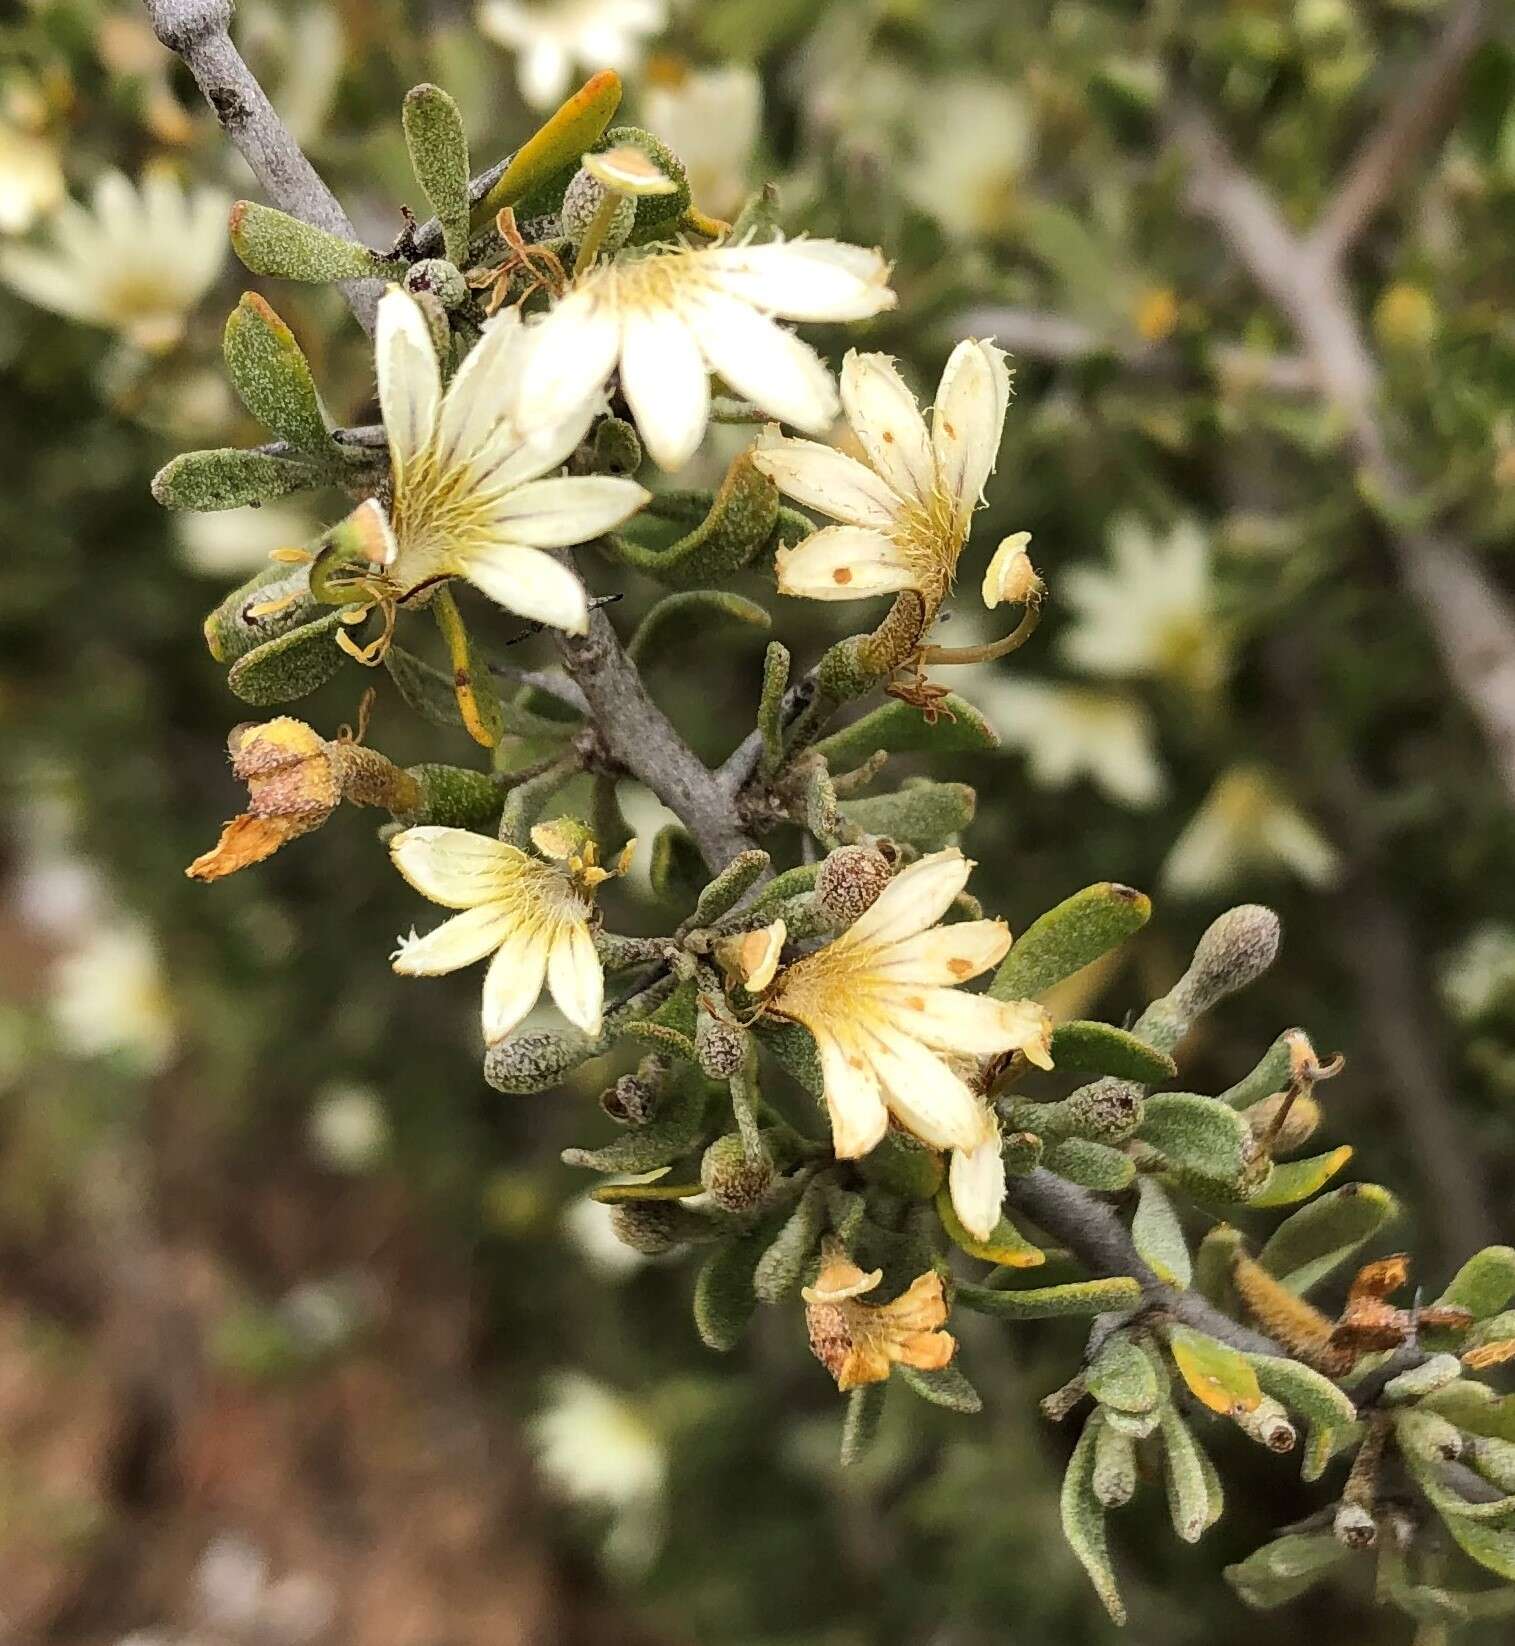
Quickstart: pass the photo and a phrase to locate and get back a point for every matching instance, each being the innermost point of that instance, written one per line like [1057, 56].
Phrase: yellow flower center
[930, 534]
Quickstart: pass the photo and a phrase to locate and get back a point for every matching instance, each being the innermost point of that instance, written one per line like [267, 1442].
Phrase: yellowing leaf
[1218, 1376]
[1297, 1180]
[1006, 1245]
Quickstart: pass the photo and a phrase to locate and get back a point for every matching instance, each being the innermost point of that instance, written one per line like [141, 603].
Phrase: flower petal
[947, 954]
[823, 478]
[843, 563]
[763, 362]
[666, 384]
[575, 977]
[528, 582]
[853, 1099]
[551, 514]
[968, 420]
[458, 942]
[916, 898]
[479, 398]
[513, 982]
[923, 1094]
[410, 381]
[455, 867]
[805, 279]
[572, 350]
[888, 423]
[971, 1024]
[976, 1182]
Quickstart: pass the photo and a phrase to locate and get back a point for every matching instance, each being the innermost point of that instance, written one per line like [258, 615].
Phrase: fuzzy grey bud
[653, 1227]
[850, 881]
[722, 1046]
[437, 276]
[634, 1097]
[526, 1063]
[581, 204]
[1235, 950]
[1108, 1110]
[735, 1181]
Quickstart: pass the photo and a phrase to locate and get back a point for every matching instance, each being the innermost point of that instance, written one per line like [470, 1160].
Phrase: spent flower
[861, 1342]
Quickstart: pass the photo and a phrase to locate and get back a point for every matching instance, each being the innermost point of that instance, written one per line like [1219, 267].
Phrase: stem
[199, 32]
[993, 649]
[594, 236]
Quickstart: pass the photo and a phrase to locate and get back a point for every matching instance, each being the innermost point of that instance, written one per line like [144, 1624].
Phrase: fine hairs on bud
[733, 1180]
[1108, 1110]
[722, 1047]
[526, 1063]
[437, 276]
[634, 1097]
[581, 205]
[1234, 951]
[653, 1227]
[850, 882]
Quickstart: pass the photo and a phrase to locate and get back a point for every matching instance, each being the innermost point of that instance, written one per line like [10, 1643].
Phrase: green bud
[1234, 951]
[617, 450]
[229, 479]
[274, 243]
[654, 1227]
[734, 1181]
[723, 1046]
[436, 278]
[289, 667]
[850, 882]
[1108, 1110]
[582, 201]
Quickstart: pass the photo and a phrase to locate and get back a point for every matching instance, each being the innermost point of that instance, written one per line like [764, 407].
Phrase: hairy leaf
[1069, 937]
[1320, 1237]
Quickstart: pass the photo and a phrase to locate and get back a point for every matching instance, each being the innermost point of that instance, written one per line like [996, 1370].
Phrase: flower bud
[722, 1046]
[1298, 1125]
[633, 1099]
[735, 1181]
[525, 1063]
[581, 204]
[850, 881]
[1109, 1110]
[438, 277]
[653, 1227]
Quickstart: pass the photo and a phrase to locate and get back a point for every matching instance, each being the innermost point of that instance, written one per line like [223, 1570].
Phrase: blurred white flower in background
[973, 141]
[590, 1228]
[299, 58]
[711, 119]
[1247, 825]
[1478, 978]
[1150, 612]
[1067, 732]
[109, 997]
[594, 1447]
[31, 179]
[236, 1598]
[550, 39]
[135, 262]
[348, 1129]
[234, 543]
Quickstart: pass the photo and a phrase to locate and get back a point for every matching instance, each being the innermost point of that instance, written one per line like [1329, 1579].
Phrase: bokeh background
[305, 1334]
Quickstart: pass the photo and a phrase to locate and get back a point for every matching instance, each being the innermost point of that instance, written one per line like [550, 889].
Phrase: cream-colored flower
[551, 37]
[860, 1342]
[232, 544]
[468, 495]
[593, 1446]
[710, 118]
[974, 140]
[136, 262]
[1010, 577]
[905, 513]
[1067, 732]
[752, 958]
[1246, 824]
[883, 1006]
[31, 178]
[109, 997]
[672, 315]
[976, 1179]
[533, 916]
[1152, 612]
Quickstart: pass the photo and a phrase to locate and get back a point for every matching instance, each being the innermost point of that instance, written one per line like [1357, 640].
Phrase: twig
[1469, 619]
[199, 32]
[1405, 132]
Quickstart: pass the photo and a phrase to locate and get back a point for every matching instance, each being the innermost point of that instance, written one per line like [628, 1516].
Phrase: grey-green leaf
[227, 478]
[1321, 1236]
[1084, 1047]
[272, 377]
[1069, 937]
[289, 667]
[439, 157]
[274, 243]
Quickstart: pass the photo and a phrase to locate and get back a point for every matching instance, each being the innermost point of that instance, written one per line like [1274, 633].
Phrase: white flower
[1246, 825]
[976, 1179]
[549, 38]
[593, 1446]
[882, 1004]
[1478, 978]
[468, 497]
[1152, 612]
[907, 511]
[348, 1130]
[532, 916]
[710, 118]
[109, 996]
[1069, 731]
[671, 316]
[31, 179]
[590, 1227]
[234, 543]
[974, 140]
[136, 263]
